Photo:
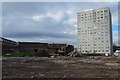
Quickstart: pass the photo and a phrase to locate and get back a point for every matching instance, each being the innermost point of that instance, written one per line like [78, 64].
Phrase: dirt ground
[60, 67]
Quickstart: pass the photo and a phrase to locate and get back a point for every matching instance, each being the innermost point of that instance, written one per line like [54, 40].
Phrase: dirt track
[60, 67]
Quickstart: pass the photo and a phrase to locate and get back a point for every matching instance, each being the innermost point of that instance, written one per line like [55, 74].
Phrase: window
[105, 11]
[98, 20]
[98, 17]
[106, 35]
[95, 51]
[95, 38]
[108, 47]
[107, 50]
[94, 44]
[106, 16]
[94, 32]
[106, 22]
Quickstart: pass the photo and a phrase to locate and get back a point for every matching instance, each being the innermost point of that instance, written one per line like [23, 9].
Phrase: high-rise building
[94, 31]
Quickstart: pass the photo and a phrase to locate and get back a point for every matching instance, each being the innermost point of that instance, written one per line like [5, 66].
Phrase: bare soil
[60, 67]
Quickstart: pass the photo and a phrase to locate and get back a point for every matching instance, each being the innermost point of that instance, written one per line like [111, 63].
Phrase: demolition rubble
[55, 61]
[61, 67]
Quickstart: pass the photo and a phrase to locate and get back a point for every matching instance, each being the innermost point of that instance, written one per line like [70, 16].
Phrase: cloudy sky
[51, 22]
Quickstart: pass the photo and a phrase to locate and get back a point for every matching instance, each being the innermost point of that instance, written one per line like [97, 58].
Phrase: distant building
[32, 46]
[94, 31]
[8, 46]
[57, 48]
[37, 48]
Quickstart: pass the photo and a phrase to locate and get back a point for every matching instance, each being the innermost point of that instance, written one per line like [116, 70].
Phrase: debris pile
[60, 67]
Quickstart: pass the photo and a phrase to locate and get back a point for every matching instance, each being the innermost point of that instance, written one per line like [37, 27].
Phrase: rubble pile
[60, 67]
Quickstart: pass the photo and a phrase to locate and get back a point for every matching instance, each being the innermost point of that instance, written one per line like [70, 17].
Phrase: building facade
[94, 31]
[32, 46]
[8, 46]
[45, 49]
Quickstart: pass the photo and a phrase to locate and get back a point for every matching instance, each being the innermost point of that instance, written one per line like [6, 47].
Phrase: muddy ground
[60, 67]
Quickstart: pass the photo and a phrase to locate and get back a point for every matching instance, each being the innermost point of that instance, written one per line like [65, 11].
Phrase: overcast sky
[51, 22]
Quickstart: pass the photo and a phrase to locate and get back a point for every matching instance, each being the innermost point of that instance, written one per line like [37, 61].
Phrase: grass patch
[21, 54]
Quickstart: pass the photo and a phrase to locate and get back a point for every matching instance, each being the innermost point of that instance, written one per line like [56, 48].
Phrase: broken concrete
[60, 67]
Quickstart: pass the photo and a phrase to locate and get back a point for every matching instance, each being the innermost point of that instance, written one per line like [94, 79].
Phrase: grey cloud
[41, 35]
[18, 23]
